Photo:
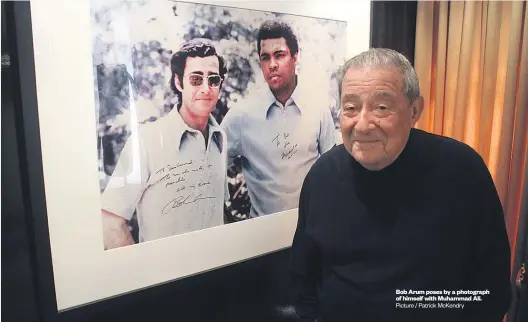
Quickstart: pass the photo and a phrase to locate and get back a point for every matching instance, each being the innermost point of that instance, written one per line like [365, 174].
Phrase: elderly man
[173, 171]
[394, 214]
[280, 131]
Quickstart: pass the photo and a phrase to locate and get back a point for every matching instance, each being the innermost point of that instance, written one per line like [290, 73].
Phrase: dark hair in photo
[198, 47]
[274, 29]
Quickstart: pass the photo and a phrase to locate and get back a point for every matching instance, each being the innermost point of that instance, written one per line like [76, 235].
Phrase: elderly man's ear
[417, 108]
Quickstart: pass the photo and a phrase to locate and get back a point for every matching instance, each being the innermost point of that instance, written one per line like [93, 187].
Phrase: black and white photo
[117, 110]
[207, 115]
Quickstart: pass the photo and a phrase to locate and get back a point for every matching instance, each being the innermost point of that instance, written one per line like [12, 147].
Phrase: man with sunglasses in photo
[280, 131]
[172, 171]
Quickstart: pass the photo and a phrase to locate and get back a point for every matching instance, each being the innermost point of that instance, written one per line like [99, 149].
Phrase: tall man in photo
[280, 131]
[173, 171]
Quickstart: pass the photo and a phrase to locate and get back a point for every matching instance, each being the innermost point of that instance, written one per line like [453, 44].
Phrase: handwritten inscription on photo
[282, 141]
[178, 174]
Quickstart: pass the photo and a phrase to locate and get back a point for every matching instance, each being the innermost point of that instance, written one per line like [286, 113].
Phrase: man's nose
[204, 88]
[273, 64]
[363, 121]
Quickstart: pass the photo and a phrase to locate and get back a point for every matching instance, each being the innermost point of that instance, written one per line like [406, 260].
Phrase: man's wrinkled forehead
[374, 76]
[373, 95]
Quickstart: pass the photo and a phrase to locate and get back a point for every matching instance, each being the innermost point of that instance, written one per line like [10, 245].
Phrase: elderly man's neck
[286, 92]
[196, 122]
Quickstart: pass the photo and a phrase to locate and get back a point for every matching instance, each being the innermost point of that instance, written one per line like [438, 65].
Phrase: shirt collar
[181, 128]
[295, 98]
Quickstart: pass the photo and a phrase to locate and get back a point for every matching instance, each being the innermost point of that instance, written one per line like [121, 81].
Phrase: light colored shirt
[171, 178]
[278, 144]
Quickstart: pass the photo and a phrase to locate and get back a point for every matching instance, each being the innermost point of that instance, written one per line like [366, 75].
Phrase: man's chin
[370, 162]
[275, 86]
[202, 113]
[204, 106]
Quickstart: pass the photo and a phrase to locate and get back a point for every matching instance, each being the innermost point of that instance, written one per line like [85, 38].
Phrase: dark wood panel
[18, 296]
[393, 25]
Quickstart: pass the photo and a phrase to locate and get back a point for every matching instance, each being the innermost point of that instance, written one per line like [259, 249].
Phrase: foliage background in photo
[132, 45]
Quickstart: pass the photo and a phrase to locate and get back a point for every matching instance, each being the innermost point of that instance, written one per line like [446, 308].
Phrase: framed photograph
[175, 136]
[250, 155]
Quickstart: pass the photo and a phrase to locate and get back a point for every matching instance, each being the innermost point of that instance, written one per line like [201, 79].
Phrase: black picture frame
[220, 289]
[18, 20]
[253, 290]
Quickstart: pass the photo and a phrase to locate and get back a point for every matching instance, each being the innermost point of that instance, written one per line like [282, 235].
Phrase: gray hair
[383, 58]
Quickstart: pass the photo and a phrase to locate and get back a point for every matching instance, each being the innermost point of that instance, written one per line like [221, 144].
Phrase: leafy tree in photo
[133, 44]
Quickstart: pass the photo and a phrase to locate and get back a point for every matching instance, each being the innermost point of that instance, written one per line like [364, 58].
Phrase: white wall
[85, 273]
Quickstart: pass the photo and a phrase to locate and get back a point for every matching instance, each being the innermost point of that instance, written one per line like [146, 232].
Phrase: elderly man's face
[376, 117]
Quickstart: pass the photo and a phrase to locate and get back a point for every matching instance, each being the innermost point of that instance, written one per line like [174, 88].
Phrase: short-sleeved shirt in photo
[170, 177]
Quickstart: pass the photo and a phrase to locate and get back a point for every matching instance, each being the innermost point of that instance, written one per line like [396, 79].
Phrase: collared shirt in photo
[278, 144]
[171, 178]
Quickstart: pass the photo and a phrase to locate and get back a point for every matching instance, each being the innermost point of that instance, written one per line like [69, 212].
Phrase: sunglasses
[212, 80]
